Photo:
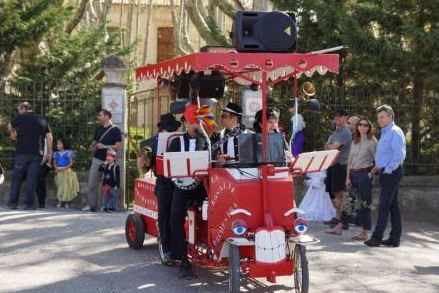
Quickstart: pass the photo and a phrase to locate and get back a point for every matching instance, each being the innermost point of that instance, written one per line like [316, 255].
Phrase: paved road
[67, 251]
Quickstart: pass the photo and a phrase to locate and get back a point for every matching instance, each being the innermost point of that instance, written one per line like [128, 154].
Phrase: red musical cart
[249, 222]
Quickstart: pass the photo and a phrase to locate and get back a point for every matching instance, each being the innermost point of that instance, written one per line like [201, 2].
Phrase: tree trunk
[130, 23]
[228, 8]
[105, 11]
[148, 25]
[177, 23]
[184, 37]
[201, 24]
[78, 16]
[261, 5]
[239, 4]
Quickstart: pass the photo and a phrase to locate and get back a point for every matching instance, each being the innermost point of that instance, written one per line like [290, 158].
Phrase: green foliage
[392, 58]
[217, 35]
[56, 70]
[23, 22]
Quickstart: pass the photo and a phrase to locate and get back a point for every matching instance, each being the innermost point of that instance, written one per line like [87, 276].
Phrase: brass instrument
[308, 89]
[145, 154]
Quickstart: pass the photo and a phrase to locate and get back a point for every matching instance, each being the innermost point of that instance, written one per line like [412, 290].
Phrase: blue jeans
[389, 204]
[110, 199]
[29, 166]
[363, 184]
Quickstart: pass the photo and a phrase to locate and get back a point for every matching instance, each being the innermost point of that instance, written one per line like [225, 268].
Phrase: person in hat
[226, 143]
[297, 125]
[186, 189]
[341, 140]
[164, 187]
[110, 181]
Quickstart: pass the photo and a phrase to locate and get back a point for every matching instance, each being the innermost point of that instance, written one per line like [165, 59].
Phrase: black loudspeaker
[208, 85]
[263, 31]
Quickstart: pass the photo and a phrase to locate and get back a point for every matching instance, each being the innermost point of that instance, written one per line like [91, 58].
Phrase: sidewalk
[67, 251]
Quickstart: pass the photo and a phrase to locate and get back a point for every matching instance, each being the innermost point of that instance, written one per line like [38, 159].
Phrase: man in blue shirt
[389, 158]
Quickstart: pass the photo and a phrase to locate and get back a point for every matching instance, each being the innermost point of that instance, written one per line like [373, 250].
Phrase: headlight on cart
[300, 226]
[239, 227]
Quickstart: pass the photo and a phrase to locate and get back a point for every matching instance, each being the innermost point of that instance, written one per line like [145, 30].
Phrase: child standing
[110, 182]
[65, 180]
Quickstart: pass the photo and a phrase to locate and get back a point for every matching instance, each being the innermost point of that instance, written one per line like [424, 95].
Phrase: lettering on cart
[146, 212]
[223, 226]
[225, 187]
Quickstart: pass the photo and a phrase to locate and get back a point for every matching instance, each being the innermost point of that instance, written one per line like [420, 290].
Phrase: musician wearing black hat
[226, 144]
[164, 187]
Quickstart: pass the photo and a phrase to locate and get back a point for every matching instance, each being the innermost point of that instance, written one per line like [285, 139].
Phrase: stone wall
[419, 195]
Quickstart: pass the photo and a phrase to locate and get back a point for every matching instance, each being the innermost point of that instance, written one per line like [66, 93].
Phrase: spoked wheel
[301, 272]
[234, 269]
[135, 231]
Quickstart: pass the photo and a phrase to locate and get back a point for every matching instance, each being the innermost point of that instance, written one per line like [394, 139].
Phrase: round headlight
[300, 226]
[239, 227]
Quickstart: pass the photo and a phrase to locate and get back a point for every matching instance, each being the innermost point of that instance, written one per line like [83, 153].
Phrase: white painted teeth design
[262, 239]
[270, 246]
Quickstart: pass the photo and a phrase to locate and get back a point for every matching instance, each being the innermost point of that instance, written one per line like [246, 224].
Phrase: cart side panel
[145, 204]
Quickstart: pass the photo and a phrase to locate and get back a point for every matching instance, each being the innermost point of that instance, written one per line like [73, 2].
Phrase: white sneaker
[58, 205]
[66, 206]
[87, 208]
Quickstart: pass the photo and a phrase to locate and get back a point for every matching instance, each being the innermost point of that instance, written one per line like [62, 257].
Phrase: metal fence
[72, 114]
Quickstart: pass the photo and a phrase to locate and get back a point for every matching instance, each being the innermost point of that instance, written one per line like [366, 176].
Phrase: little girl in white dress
[317, 203]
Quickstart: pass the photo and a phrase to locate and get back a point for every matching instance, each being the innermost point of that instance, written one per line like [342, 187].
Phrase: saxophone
[145, 153]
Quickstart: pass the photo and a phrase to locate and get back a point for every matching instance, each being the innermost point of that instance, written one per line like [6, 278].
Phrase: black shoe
[345, 226]
[333, 221]
[167, 259]
[41, 205]
[12, 206]
[389, 242]
[186, 271]
[29, 208]
[373, 242]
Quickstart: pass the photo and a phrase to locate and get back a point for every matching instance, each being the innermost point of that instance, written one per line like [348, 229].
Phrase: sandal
[360, 238]
[333, 232]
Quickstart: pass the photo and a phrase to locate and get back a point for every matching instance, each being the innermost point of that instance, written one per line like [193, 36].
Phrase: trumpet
[308, 89]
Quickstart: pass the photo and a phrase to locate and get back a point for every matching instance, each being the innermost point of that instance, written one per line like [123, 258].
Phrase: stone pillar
[114, 98]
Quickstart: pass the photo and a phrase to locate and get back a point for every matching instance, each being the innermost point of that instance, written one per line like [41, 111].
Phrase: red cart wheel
[135, 231]
[301, 272]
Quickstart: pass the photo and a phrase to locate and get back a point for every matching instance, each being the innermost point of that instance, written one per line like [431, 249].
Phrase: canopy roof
[244, 68]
